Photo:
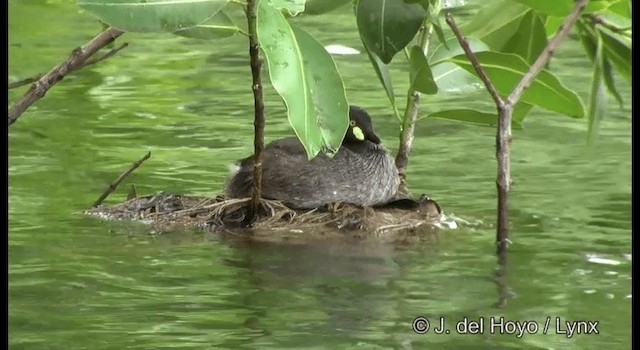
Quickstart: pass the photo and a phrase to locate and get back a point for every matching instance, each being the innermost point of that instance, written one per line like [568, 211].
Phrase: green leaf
[597, 101]
[562, 8]
[305, 76]
[472, 116]
[450, 77]
[387, 26]
[385, 78]
[217, 27]
[546, 91]
[621, 8]
[291, 7]
[491, 20]
[520, 111]
[152, 15]
[434, 19]
[530, 38]
[317, 7]
[552, 25]
[420, 73]
[587, 35]
[616, 50]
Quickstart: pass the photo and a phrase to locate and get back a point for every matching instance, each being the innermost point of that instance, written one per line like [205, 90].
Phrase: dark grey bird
[361, 173]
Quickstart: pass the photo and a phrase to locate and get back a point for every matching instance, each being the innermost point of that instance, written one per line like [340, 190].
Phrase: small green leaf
[530, 39]
[152, 15]
[562, 8]
[587, 35]
[305, 76]
[621, 8]
[385, 78]
[317, 7]
[597, 98]
[618, 53]
[291, 7]
[217, 27]
[546, 91]
[387, 26]
[450, 77]
[434, 19]
[493, 18]
[420, 73]
[472, 116]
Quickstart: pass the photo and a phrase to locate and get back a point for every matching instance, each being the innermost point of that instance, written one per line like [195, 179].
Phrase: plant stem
[258, 106]
[410, 115]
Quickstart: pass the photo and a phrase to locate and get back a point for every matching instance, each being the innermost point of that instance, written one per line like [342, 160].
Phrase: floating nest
[398, 220]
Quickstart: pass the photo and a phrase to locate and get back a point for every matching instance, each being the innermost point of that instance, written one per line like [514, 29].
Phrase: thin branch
[612, 27]
[77, 58]
[474, 61]
[258, 106]
[546, 54]
[89, 62]
[112, 187]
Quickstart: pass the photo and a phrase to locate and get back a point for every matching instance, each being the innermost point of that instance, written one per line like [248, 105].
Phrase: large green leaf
[472, 116]
[619, 52]
[305, 76]
[546, 91]
[291, 7]
[316, 7]
[387, 26]
[385, 79]
[530, 38]
[420, 74]
[597, 101]
[217, 27]
[450, 77]
[152, 15]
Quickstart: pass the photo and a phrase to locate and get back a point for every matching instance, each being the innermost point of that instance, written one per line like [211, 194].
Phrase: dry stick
[87, 63]
[112, 187]
[505, 109]
[258, 105]
[78, 57]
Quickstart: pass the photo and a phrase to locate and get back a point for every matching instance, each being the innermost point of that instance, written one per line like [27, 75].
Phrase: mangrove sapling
[505, 110]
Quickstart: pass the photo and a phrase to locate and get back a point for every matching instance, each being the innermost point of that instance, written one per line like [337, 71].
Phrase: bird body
[361, 173]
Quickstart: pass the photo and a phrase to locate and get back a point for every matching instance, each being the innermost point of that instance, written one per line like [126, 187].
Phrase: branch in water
[112, 187]
[78, 58]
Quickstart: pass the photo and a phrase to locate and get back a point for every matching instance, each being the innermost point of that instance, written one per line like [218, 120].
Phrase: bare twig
[545, 55]
[258, 105]
[112, 187]
[505, 109]
[474, 61]
[78, 57]
[612, 27]
[88, 62]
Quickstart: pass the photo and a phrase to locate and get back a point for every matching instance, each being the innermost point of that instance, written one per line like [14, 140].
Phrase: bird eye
[352, 122]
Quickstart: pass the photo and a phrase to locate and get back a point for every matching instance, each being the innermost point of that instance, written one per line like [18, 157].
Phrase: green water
[82, 283]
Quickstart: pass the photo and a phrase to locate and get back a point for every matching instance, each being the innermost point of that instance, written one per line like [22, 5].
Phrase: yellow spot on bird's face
[357, 132]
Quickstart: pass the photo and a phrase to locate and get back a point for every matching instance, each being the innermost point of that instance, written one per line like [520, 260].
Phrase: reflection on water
[77, 282]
